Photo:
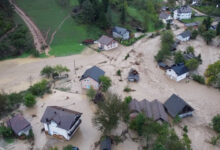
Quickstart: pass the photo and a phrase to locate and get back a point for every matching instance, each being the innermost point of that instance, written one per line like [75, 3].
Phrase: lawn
[193, 19]
[48, 14]
[209, 10]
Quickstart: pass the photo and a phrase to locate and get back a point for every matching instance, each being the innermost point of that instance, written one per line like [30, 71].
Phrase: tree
[192, 64]
[124, 11]
[88, 14]
[40, 88]
[3, 102]
[178, 57]
[29, 100]
[107, 116]
[105, 83]
[194, 34]
[166, 45]
[212, 73]
[216, 123]
[60, 69]
[207, 23]
[172, 3]
[190, 50]
[218, 29]
[6, 132]
[168, 26]
[105, 4]
[138, 123]
[208, 36]
[91, 93]
[47, 71]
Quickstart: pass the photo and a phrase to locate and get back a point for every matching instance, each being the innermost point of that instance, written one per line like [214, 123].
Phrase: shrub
[118, 72]
[198, 78]
[127, 89]
[6, 132]
[40, 88]
[91, 93]
[68, 147]
[177, 120]
[216, 123]
[105, 83]
[126, 57]
[185, 129]
[29, 100]
[190, 50]
[214, 140]
[128, 99]
[194, 34]
[178, 57]
[137, 123]
[47, 71]
[192, 64]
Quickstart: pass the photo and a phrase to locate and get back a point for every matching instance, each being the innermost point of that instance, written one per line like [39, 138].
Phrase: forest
[15, 39]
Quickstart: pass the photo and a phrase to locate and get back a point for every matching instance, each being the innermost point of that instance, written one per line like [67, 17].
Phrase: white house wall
[108, 47]
[87, 83]
[172, 75]
[179, 37]
[181, 16]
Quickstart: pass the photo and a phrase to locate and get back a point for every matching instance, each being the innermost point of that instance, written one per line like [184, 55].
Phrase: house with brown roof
[60, 122]
[19, 125]
[153, 110]
[107, 43]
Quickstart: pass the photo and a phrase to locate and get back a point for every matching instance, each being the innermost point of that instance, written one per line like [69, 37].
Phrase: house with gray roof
[193, 25]
[122, 33]
[176, 106]
[19, 125]
[61, 122]
[166, 17]
[106, 43]
[153, 110]
[90, 78]
[177, 72]
[184, 36]
[184, 12]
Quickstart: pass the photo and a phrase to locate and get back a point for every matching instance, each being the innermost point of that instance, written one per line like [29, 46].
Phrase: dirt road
[39, 40]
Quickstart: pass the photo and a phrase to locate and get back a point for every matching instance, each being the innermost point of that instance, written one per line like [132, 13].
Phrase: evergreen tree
[218, 29]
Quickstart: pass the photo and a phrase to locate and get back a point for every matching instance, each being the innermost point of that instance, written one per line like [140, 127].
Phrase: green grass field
[193, 19]
[47, 15]
[209, 10]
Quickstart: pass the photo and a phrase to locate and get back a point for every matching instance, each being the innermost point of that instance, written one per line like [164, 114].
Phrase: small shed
[176, 106]
[184, 36]
[119, 32]
[163, 66]
[133, 75]
[105, 144]
[19, 125]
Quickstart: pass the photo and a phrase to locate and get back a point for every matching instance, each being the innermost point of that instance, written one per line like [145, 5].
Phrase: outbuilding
[176, 106]
[19, 125]
[107, 43]
[119, 32]
[184, 36]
